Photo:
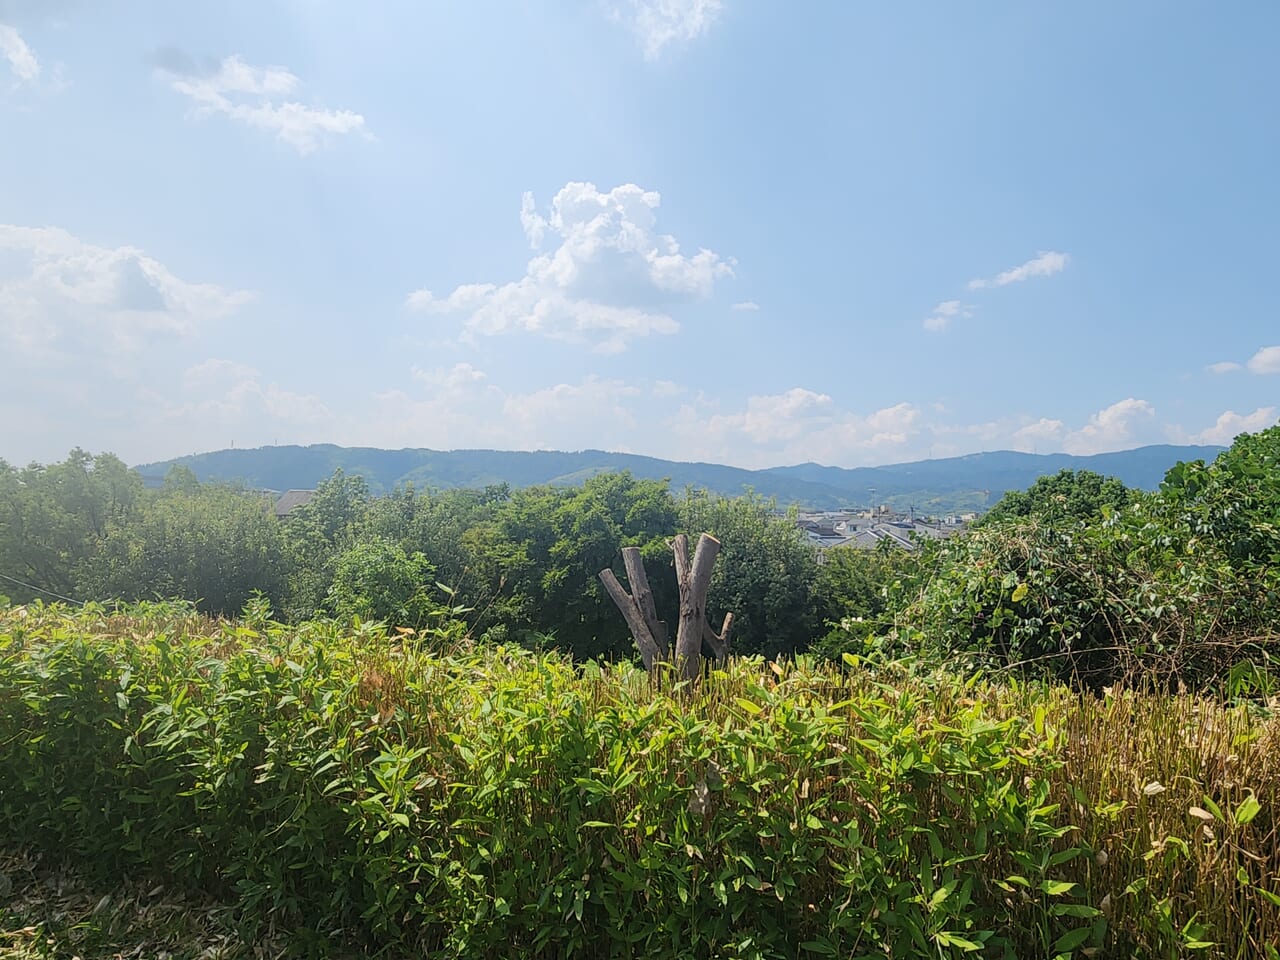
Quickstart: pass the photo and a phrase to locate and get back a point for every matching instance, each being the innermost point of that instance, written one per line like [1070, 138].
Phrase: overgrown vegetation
[525, 560]
[1051, 736]
[1180, 586]
[405, 791]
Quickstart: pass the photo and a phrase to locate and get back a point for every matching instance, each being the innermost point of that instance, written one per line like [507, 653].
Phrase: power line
[32, 586]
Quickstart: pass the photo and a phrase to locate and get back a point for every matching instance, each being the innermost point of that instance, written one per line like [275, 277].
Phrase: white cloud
[1224, 366]
[1045, 264]
[224, 402]
[611, 279]
[458, 407]
[796, 425]
[1038, 434]
[1266, 360]
[459, 375]
[667, 388]
[746, 305]
[214, 372]
[658, 23]
[253, 96]
[22, 60]
[595, 407]
[1231, 424]
[60, 294]
[1111, 428]
[782, 416]
[944, 313]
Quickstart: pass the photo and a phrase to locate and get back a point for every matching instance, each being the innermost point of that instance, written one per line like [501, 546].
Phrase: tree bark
[719, 642]
[650, 652]
[640, 612]
[643, 596]
[694, 580]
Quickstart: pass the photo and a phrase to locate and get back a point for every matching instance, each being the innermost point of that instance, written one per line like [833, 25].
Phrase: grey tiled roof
[290, 500]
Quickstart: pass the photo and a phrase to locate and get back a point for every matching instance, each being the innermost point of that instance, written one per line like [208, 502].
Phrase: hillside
[955, 483]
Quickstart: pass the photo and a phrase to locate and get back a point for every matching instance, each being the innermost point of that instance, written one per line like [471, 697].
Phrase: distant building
[867, 529]
[291, 500]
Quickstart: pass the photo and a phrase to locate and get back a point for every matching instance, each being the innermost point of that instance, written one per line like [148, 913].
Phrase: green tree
[377, 580]
[765, 573]
[547, 546]
[214, 544]
[316, 533]
[1178, 587]
[439, 525]
[858, 592]
[54, 519]
[1072, 495]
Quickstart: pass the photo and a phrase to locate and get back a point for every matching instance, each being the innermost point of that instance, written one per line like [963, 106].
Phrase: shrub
[377, 580]
[367, 793]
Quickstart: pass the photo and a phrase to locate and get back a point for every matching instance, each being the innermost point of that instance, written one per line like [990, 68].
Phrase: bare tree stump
[639, 581]
[693, 579]
[650, 633]
[719, 642]
[650, 652]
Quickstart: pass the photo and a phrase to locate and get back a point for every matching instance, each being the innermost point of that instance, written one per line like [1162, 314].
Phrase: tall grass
[380, 792]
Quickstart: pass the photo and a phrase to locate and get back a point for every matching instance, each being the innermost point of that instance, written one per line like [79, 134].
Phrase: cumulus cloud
[1231, 424]
[570, 415]
[781, 416]
[60, 294]
[459, 406]
[1266, 360]
[944, 313]
[1224, 366]
[22, 61]
[223, 398]
[1111, 428]
[750, 305]
[1045, 264]
[659, 23]
[610, 279]
[1038, 434]
[450, 378]
[259, 97]
[797, 424]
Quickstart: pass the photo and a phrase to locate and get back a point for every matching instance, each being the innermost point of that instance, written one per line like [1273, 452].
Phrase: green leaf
[1248, 809]
[1081, 910]
[749, 706]
[1057, 888]
[1072, 939]
[941, 894]
[819, 946]
[1020, 592]
[946, 939]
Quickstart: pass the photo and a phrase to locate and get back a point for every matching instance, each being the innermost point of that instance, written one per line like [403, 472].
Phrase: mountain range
[971, 482]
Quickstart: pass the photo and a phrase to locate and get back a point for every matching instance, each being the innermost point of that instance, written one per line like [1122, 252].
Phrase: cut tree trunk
[650, 633]
[693, 579]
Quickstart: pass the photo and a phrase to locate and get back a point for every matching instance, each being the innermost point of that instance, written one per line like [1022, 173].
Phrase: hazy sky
[733, 230]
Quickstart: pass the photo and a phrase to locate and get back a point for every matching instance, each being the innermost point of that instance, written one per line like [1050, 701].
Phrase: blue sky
[746, 232]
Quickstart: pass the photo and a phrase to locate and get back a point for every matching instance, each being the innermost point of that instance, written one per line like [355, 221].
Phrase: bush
[1178, 587]
[364, 792]
[377, 580]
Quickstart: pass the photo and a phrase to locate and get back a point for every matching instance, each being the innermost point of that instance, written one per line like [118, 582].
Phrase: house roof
[290, 500]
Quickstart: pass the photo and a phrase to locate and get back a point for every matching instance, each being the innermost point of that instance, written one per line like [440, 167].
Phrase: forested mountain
[954, 483]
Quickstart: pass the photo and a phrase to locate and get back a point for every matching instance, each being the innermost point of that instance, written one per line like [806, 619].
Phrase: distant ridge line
[967, 482]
